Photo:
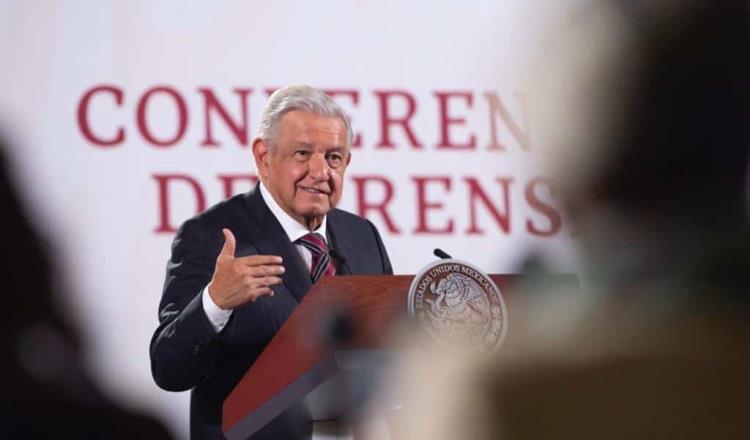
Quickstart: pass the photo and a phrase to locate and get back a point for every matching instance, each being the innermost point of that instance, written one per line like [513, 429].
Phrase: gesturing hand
[240, 280]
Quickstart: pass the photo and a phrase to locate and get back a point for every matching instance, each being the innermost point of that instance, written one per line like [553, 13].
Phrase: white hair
[302, 98]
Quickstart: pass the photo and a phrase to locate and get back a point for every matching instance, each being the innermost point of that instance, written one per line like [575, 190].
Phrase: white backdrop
[450, 68]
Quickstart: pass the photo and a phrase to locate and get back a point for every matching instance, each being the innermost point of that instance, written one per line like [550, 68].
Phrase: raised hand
[240, 280]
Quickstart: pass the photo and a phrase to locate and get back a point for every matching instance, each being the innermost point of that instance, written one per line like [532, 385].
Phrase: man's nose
[318, 167]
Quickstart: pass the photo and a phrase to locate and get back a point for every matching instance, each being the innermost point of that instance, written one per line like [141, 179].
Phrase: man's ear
[261, 153]
[348, 157]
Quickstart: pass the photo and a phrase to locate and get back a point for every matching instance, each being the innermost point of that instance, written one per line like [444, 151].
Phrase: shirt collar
[294, 229]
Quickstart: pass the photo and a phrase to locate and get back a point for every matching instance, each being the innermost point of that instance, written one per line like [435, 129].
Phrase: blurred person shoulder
[47, 393]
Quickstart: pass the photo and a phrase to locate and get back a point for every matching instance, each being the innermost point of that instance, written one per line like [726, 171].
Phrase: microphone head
[339, 261]
[441, 254]
[336, 256]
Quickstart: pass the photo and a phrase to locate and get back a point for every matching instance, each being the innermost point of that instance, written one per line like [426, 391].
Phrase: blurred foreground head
[46, 392]
[33, 325]
[644, 106]
[644, 122]
[643, 118]
[647, 130]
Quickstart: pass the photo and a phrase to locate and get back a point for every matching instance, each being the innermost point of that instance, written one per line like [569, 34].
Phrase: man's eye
[302, 154]
[334, 158]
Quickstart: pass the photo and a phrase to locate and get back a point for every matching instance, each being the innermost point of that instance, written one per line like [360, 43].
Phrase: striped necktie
[321, 261]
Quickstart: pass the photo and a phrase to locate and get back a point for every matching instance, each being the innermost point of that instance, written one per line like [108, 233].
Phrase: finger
[229, 243]
[259, 260]
[262, 281]
[265, 270]
[251, 281]
[253, 294]
[271, 281]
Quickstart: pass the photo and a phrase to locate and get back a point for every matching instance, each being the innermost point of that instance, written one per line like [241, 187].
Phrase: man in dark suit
[239, 269]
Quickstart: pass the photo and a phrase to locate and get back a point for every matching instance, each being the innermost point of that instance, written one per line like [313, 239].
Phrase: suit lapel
[270, 239]
[340, 239]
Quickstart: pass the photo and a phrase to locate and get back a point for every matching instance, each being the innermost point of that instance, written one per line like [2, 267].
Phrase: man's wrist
[215, 314]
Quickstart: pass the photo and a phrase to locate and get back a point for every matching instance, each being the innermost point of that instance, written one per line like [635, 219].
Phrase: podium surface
[359, 311]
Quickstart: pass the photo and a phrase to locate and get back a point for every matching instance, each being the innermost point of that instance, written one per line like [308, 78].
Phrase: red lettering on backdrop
[423, 205]
[228, 181]
[163, 180]
[239, 129]
[83, 119]
[238, 122]
[547, 210]
[364, 206]
[182, 116]
[387, 120]
[476, 193]
[354, 96]
[446, 121]
[498, 108]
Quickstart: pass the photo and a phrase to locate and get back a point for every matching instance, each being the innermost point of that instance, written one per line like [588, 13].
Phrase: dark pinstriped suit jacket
[186, 352]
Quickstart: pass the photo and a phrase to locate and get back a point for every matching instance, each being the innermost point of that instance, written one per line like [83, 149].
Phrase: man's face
[304, 167]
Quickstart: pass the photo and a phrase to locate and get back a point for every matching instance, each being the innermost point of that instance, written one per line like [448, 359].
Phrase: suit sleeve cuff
[217, 316]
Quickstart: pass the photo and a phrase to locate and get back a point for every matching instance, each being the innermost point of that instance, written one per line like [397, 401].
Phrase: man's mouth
[313, 190]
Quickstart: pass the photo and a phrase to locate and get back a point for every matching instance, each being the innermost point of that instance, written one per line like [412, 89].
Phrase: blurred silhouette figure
[45, 392]
[645, 123]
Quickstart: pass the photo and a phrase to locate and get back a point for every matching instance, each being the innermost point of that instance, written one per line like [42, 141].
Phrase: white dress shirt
[294, 231]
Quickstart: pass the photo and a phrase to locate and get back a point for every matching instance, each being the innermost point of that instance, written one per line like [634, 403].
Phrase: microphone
[338, 327]
[441, 254]
[339, 261]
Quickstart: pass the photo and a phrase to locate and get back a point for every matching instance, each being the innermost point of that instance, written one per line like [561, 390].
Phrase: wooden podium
[358, 311]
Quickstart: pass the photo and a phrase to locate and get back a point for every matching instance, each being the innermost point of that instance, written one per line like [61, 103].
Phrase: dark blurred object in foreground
[664, 235]
[654, 172]
[45, 392]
